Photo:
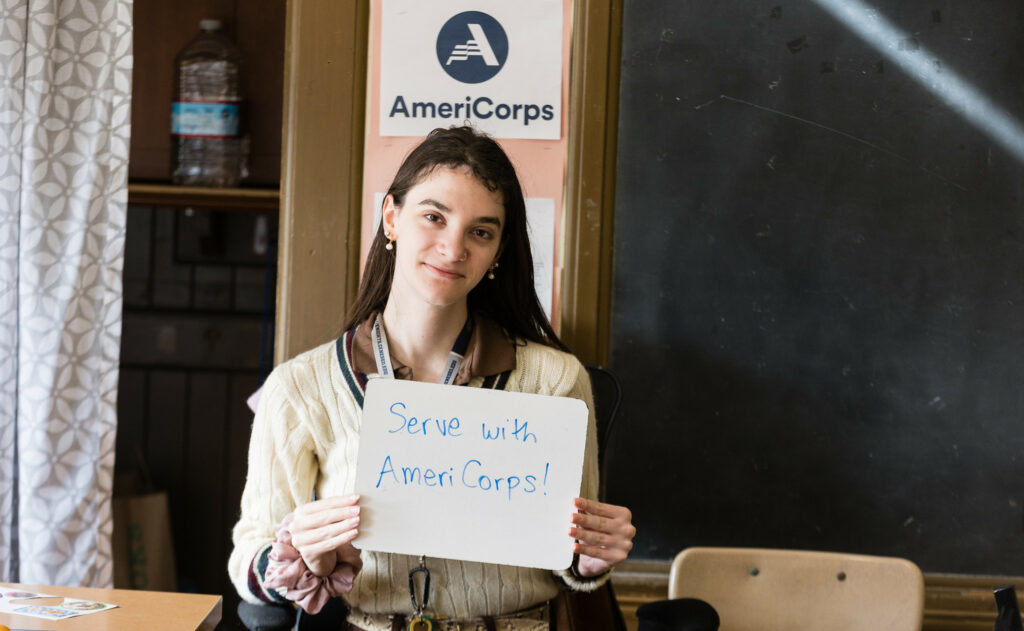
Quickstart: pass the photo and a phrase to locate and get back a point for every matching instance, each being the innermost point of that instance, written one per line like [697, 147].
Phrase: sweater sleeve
[281, 475]
[581, 389]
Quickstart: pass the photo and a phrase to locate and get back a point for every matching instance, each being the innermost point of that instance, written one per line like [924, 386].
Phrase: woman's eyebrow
[443, 208]
[436, 204]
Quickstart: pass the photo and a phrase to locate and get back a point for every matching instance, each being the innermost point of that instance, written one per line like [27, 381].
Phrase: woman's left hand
[604, 534]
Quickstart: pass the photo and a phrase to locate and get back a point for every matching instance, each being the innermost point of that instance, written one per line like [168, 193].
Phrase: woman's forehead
[461, 169]
[453, 181]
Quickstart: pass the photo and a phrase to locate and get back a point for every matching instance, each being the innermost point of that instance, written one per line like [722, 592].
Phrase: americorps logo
[501, 62]
[472, 47]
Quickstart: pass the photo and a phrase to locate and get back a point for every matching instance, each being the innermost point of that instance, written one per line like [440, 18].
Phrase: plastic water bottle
[207, 146]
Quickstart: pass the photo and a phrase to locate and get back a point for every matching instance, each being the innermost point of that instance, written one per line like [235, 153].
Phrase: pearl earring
[390, 245]
[490, 270]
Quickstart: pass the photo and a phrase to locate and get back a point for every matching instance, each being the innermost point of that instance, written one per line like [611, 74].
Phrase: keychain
[420, 622]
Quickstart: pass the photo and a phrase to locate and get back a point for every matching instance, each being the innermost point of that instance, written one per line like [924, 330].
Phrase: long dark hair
[509, 299]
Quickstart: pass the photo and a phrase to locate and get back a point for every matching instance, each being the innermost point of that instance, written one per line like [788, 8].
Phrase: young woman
[449, 270]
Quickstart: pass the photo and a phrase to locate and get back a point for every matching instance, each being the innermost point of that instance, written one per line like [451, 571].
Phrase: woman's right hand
[322, 532]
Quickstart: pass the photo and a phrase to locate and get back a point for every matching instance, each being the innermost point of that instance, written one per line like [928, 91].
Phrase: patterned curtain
[65, 98]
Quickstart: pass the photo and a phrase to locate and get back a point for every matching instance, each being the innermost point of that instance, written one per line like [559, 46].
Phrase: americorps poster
[496, 65]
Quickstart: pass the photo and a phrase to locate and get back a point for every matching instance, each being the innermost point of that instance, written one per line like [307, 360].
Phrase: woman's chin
[443, 298]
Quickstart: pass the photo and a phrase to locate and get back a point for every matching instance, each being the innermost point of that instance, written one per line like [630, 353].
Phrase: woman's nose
[454, 247]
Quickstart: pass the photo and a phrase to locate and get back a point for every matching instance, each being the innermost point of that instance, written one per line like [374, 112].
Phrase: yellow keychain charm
[421, 624]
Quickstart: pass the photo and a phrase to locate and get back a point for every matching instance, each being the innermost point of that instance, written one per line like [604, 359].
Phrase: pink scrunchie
[287, 569]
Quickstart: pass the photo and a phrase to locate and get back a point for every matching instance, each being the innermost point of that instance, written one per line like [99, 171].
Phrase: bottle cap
[209, 25]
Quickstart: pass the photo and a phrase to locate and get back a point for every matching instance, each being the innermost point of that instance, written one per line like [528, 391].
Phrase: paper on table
[14, 601]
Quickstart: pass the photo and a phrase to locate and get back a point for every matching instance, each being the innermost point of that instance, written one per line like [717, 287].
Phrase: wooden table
[152, 611]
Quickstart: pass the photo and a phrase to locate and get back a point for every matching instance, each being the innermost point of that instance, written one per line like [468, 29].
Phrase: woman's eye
[483, 234]
[433, 217]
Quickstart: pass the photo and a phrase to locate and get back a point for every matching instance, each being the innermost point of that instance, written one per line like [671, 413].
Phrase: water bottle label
[199, 118]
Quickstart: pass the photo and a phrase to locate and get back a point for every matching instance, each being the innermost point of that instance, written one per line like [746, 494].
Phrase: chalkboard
[819, 278]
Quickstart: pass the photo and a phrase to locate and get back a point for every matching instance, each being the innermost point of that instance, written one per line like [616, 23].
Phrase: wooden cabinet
[161, 29]
[185, 412]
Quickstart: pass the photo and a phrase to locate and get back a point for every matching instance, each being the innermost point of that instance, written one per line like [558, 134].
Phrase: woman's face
[447, 234]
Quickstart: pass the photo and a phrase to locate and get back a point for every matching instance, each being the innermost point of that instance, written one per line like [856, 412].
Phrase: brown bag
[142, 543]
[586, 611]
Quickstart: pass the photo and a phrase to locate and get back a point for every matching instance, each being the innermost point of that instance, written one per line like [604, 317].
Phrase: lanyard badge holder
[382, 355]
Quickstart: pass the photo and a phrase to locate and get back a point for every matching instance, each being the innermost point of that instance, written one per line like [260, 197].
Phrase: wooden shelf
[242, 199]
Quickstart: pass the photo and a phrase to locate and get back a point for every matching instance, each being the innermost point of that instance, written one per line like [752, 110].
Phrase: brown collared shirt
[490, 352]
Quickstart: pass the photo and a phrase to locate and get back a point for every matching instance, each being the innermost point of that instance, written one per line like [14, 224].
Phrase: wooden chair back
[792, 590]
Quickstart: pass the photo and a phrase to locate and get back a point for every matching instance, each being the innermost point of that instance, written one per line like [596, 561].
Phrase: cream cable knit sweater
[306, 436]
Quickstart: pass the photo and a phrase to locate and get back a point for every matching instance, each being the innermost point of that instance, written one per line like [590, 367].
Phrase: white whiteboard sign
[468, 473]
[497, 65]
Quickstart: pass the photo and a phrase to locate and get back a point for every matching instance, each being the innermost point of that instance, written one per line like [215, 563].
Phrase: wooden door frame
[321, 170]
[326, 46]
[585, 295]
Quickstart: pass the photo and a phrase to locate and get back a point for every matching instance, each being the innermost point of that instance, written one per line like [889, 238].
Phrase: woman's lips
[444, 273]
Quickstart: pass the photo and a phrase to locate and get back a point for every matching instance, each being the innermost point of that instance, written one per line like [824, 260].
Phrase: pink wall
[539, 163]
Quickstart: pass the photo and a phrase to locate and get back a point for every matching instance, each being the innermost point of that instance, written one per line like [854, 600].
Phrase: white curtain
[65, 98]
